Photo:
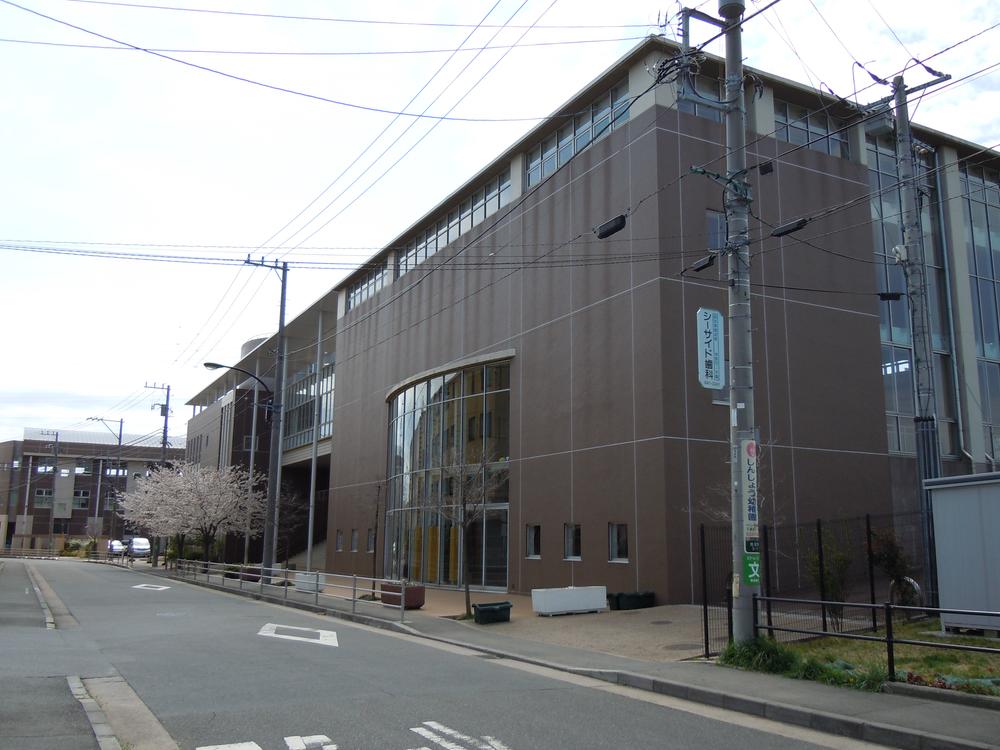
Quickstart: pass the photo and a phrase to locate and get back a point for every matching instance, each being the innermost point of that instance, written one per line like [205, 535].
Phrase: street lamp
[267, 556]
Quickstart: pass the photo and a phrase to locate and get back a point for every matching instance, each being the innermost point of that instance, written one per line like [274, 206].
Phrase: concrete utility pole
[111, 503]
[743, 432]
[55, 477]
[165, 413]
[274, 463]
[910, 256]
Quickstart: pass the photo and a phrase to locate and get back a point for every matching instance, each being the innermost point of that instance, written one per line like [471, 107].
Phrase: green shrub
[760, 655]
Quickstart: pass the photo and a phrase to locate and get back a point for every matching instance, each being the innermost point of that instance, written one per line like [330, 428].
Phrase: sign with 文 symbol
[751, 569]
[748, 487]
[711, 365]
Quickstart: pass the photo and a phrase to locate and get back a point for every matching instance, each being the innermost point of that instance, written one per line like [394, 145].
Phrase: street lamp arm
[217, 366]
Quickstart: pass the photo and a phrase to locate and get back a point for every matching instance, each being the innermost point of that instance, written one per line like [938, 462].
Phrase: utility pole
[55, 477]
[274, 460]
[743, 431]
[112, 502]
[910, 257]
[165, 413]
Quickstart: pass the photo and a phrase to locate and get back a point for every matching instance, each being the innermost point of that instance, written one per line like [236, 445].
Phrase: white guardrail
[44, 554]
[323, 589]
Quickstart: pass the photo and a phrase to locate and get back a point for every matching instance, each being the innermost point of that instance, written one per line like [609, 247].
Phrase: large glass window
[449, 439]
[894, 326]
[702, 92]
[981, 191]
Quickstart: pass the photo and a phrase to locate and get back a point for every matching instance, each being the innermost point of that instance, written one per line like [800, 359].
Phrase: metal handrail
[316, 582]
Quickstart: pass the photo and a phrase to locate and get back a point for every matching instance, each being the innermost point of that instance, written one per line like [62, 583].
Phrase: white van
[138, 546]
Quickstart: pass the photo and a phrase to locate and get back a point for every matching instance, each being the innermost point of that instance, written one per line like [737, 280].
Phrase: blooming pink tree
[190, 499]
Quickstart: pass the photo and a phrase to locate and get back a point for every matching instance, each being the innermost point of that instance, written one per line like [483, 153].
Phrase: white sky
[120, 146]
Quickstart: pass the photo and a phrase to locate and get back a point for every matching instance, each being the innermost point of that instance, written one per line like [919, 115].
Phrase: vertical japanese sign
[751, 533]
[710, 361]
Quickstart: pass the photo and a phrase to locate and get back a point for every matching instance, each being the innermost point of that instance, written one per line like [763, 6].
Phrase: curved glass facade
[442, 431]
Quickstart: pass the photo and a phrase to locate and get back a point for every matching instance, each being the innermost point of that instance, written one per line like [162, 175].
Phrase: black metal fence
[784, 618]
[871, 559]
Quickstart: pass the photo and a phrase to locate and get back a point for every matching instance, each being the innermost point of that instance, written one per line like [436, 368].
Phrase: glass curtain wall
[897, 345]
[447, 435]
[981, 191]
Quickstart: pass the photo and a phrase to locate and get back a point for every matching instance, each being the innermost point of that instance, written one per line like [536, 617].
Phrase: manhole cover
[660, 622]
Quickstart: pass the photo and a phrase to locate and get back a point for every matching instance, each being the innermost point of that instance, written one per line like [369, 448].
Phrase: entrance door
[486, 547]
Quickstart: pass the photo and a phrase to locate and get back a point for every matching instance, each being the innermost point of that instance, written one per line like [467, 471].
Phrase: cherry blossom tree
[191, 499]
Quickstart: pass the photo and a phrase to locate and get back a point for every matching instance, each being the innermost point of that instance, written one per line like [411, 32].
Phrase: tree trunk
[207, 545]
[465, 570]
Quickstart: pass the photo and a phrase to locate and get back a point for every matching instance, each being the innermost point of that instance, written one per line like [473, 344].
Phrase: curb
[821, 721]
[946, 696]
[98, 721]
[50, 623]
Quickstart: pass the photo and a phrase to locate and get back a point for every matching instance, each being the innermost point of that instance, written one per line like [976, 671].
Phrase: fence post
[286, 581]
[261, 578]
[889, 646]
[729, 612]
[756, 617]
[354, 594]
[317, 588]
[766, 540]
[822, 569]
[871, 570]
[704, 590]
[402, 599]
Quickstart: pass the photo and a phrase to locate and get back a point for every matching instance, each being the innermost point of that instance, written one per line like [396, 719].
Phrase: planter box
[490, 612]
[414, 595]
[636, 600]
[306, 582]
[573, 599]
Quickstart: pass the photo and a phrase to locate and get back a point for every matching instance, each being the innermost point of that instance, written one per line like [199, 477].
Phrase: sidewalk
[643, 649]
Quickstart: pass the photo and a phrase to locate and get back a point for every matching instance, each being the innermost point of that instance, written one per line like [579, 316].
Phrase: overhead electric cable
[379, 22]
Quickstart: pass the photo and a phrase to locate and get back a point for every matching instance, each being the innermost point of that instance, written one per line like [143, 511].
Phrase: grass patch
[862, 664]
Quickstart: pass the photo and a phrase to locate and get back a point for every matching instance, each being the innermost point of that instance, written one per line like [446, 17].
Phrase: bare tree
[192, 499]
[292, 515]
[473, 486]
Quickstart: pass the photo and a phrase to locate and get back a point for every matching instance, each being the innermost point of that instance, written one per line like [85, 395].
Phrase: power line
[379, 22]
[324, 53]
[268, 86]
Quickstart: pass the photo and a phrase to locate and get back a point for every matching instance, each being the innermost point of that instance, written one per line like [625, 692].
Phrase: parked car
[115, 547]
[138, 546]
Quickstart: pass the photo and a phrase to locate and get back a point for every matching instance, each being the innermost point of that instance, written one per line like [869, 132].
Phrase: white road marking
[486, 743]
[234, 746]
[427, 734]
[322, 637]
[318, 741]
[151, 587]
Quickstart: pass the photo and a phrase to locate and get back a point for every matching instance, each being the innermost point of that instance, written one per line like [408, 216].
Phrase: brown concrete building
[499, 329]
[61, 485]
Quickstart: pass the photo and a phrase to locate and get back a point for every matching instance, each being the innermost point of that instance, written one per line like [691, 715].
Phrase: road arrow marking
[477, 743]
[310, 635]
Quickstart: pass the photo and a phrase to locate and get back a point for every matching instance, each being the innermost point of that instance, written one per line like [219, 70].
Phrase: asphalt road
[219, 670]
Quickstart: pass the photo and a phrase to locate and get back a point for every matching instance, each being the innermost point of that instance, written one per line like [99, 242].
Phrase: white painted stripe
[295, 743]
[455, 734]
[151, 587]
[427, 734]
[234, 746]
[495, 743]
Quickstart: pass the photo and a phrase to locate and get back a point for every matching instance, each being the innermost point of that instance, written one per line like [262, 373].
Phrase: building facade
[58, 486]
[499, 339]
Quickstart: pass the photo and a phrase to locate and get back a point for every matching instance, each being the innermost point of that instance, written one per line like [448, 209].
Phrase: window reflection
[439, 432]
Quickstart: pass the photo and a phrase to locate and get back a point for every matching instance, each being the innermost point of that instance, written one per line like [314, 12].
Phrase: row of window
[801, 126]
[354, 541]
[44, 499]
[606, 113]
[473, 211]
[572, 547]
[367, 285]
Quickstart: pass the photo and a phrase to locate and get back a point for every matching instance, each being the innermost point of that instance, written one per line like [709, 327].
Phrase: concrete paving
[645, 648]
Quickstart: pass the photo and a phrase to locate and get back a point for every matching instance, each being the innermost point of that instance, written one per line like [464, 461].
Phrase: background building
[53, 489]
[498, 327]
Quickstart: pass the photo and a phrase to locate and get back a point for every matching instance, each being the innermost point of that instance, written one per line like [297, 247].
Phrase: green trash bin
[490, 612]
